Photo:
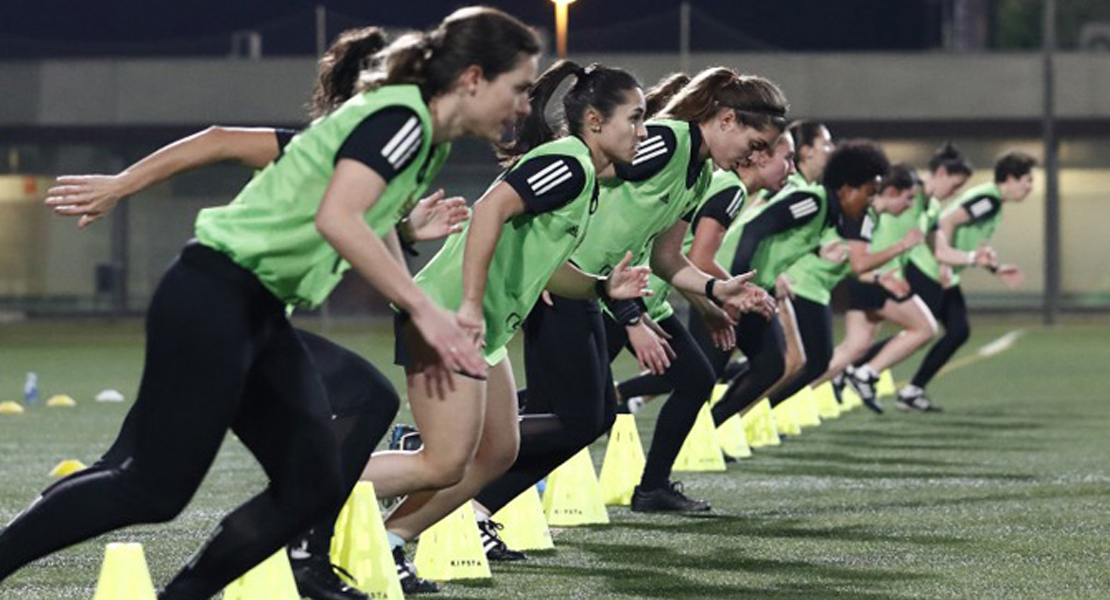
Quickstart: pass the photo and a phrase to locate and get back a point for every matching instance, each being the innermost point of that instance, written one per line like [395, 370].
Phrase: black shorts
[868, 296]
[403, 356]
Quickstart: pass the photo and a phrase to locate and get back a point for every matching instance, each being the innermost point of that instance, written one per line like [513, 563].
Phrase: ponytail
[661, 93]
[757, 102]
[951, 160]
[340, 66]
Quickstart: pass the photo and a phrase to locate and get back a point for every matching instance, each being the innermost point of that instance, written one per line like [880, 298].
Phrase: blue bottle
[31, 389]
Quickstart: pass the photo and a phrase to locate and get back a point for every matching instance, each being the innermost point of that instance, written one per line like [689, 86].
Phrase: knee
[445, 471]
[772, 367]
[501, 453]
[151, 504]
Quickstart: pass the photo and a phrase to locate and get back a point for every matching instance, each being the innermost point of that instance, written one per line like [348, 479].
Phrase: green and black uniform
[983, 205]
[567, 347]
[221, 354]
[770, 239]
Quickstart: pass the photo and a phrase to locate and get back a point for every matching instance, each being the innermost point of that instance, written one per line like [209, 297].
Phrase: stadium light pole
[561, 26]
[1051, 173]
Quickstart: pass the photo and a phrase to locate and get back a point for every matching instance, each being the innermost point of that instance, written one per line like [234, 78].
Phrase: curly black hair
[854, 163]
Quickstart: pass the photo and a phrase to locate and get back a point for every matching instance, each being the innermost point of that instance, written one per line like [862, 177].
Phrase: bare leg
[497, 449]
[860, 330]
[795, 351]
[918, 328]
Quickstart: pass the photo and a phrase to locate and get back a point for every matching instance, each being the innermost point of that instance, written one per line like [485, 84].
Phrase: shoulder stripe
[980, 207]
[737, 202]
[545, 171]
[804, 208]
[404, 148]
[650, 155]
[868, 227]
[564, 175]
[399, 136]
[544, 184]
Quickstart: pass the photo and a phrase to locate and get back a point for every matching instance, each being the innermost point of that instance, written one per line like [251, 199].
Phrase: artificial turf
[1005, 495]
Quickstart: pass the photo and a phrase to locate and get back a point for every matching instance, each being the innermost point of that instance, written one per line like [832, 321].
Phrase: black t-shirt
[860, 229]
[722, 207]
[386, 141]
[548, 182]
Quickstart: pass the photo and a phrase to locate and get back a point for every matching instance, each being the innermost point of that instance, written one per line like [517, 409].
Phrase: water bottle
[31, 389]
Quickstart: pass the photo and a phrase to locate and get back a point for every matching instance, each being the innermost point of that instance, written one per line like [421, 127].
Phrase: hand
[1010, 275]
[546, 297]
[452, 344]
[90, 197]
[985, 256]
[913, 237]
[945, 278]
[626, 283]
[834, 252]
[894, 284]
[436, 217]
[652, 351]
[469, 317]
[721, 325]
[784, 288]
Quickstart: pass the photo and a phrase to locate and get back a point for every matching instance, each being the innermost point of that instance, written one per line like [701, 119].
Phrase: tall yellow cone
[733, 440]
[67, 468]
[11, 408]
[718, 393]
[524, 522]
[124, 574]
[827, 406]
[808, 414]
[360, 545]
[886, 384]
[623, 464]
[452, 549]
[786, 421]
[759, 426]
[271, 579]
[702, 450]
[573, 496]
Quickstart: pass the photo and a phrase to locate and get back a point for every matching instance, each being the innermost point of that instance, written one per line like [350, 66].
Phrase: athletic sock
[910, 391]
[395, 541]
[480, 512]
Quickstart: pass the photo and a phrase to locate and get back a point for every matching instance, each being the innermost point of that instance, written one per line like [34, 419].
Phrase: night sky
[30, 29]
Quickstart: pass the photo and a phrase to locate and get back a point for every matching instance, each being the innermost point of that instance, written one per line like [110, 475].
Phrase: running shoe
[838, 384]
[319, 579]
[865, 382]
[495, 547]
[406, 572]
[667, 498]
[917, 403]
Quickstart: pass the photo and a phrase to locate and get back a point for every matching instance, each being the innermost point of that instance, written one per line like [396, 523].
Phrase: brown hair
[340, 66]
[758, 102]
[662, 92]
[433, 60]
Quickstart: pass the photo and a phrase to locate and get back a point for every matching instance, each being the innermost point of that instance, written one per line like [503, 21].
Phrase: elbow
[859, 266]
[326, 225]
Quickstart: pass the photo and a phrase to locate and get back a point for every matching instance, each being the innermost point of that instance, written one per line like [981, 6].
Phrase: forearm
[679, 272]
[863, 260]
[252, 147]
[393, 244]
[371, 258]
[481, 242]
[946, 254]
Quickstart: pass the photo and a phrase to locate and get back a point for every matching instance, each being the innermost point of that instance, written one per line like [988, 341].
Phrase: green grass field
[1005, 495]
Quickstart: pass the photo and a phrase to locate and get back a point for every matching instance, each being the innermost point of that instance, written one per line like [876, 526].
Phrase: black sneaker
[667, 498]
[838, 384]
[406, 572]
[864, 384]
[318, 579]
[405, 437]
[917, 403]
[495, 547]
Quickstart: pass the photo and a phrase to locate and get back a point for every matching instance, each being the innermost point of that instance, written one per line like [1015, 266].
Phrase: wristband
[406, 244]
[600, 290]
[709, 291]
[625, 312]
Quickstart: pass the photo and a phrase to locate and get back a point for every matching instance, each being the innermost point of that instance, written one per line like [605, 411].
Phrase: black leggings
[816, 330]
[220, 354]
[764, 344]
[570, 397]
[650, 384]
[950, 310]
[690, 376]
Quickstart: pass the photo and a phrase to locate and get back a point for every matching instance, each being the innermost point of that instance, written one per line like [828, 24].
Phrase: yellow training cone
[623, 464]
[67, 467]
[525, 526]
[61, 401]
[272, 579]
[807, 415]
[759, 425]
[827, 406]
[785, 421]
[361, 548]
[124, 574]
[573, 496]
[11, 408]
[733, 440]
[886, 384]
[702, 450]
[718, 393]
[452, 549]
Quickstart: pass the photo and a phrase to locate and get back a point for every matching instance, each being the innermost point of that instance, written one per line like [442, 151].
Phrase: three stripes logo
[737, 202]
[981, 207]
[549, 177]
[868, 227]
[403, 144]
[649, 149]
[803, 209]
